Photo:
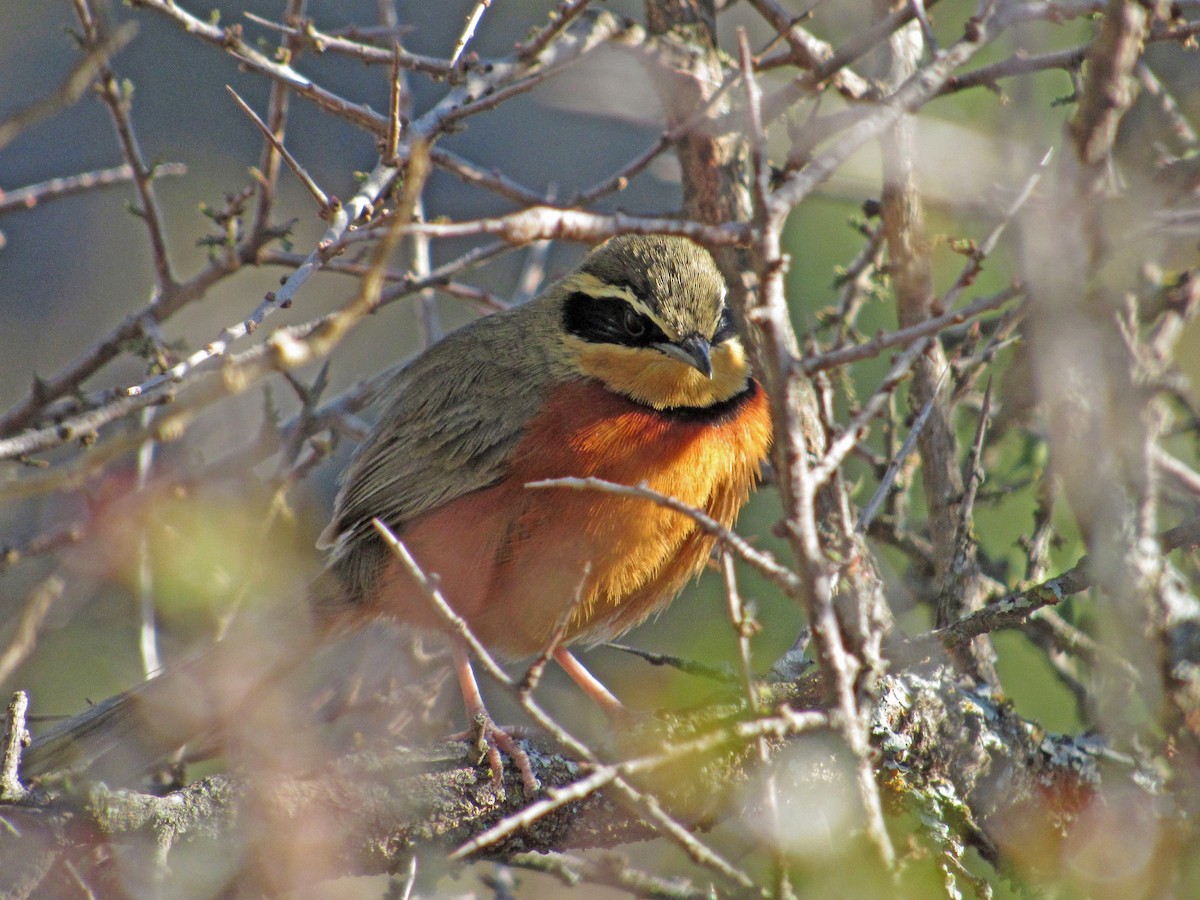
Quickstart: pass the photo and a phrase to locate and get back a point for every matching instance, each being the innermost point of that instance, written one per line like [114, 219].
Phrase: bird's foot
[491, 740]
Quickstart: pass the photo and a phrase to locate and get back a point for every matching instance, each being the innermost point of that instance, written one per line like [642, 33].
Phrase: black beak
[694, 350]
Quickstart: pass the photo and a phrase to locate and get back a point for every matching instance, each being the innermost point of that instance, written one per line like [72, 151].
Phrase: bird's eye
[633, 323]
[725, 327]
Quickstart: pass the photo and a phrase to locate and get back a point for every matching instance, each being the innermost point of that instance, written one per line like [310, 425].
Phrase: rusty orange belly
[511, 560]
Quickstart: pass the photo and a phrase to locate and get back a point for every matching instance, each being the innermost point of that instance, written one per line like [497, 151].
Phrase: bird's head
[646, 315]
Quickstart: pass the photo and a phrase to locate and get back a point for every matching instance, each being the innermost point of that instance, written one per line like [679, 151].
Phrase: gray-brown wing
[456, 414]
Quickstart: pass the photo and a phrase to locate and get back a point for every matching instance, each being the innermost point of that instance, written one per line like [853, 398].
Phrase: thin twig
[533, 674]
[556, 797]
[490, 180]
[910, 441]
[917, 89]
[533, 272]
[760, 560]
[1184, 477]
[799, 489]
[927, 35]
[397, 92]
[277, 117]
[974, 475]
[560, 18]
[16, 738]
[745, 627]
[33, 615]
[722, 674]
[488, 301]
[831, 359]
[43, 543]
[325, 42]
[609, 871]
[78, 80]
[540, 223]
[57, 188]
[829, 66]
[806, 51]
[1011, 610]
[468, 32]
[975, 261]
[147, 618]
[841, 446]
[298, 170]
[1021, 64]
[117, 99]
[1167, 105]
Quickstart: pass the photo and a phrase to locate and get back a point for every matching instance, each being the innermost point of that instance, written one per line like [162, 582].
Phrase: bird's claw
[490, 740]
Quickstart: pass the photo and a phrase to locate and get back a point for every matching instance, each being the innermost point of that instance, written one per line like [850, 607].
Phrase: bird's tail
[251, 696]
[223, 695]
[89, 738]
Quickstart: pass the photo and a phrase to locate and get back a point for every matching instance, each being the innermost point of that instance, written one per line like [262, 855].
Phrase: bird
[629, 369]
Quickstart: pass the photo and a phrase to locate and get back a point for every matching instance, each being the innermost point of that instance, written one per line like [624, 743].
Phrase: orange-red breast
[629, 369]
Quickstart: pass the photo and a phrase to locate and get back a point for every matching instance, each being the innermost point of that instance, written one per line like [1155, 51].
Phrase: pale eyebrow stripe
[589, 284]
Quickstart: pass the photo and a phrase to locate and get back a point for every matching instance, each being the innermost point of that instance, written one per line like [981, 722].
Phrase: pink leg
[486, 731]
[591, 685]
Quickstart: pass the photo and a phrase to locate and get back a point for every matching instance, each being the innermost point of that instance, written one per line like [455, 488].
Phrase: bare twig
[1022, 64]
[57, 188]
[320, 41]
[560, 18]
[147, 617]
[760, 560]
[1183, 476]
[745, 627]
[16, 738]
[797, 482]
[867, 349]
[497, 182]
[1011, 610]
[117, 99]
[722, 674]
[611, 871]
[974, 264]
[910, 442]
[277, 117]
[33, 614]
[807, 51]
[862, 42]
[43, 543]
[533, 674]
[396, 102]
[1167, 105]
[468, 31]
[300, 172]
[103, 48]
[916, 90]
[841, 445]
[542, 223]
[974, 475]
